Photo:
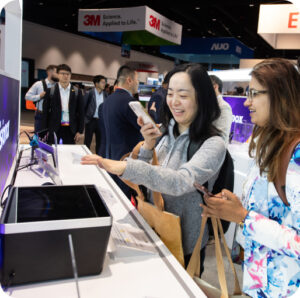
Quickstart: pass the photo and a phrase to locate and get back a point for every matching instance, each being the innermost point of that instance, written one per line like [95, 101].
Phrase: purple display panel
[240, 116]
[9, 123]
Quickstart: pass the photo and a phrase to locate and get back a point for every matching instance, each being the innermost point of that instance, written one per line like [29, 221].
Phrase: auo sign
[218, 46]
[129, 19]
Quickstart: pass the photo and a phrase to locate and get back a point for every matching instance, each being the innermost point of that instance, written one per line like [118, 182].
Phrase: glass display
[30, 204]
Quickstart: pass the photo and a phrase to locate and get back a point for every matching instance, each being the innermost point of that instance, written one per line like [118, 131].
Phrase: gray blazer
[175, 176]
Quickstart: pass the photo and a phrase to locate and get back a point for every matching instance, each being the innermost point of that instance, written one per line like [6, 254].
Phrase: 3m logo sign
[154, 22]
[91, 20]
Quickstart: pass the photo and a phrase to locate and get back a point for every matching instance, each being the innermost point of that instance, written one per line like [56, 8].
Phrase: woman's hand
[115, 167]
[149, 133]
[229, 207]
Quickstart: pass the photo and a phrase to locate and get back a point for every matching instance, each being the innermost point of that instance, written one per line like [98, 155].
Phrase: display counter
[142, 267]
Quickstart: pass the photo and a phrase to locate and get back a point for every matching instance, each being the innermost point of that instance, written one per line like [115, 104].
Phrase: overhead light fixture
[214, 19]
[251, 5]
[197, 7]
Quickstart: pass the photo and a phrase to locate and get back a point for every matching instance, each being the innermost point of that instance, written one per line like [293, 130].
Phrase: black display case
[34, 229]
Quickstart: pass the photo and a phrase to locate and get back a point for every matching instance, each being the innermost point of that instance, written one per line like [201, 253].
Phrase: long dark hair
[269, 143]
[207, 105]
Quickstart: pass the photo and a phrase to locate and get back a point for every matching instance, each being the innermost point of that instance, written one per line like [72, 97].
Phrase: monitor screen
[9, 123]
[53, 203]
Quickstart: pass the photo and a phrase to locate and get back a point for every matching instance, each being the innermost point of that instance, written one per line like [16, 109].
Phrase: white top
[99, 101]
[223, 123]
[64, 96]
[33, 94]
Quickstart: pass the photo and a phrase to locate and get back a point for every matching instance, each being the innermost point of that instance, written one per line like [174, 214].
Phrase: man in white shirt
[37, 92]
[64, 109]
[93, 113]
[223, 123]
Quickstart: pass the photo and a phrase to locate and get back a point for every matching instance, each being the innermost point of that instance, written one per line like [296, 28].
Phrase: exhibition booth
[67, 229]
[103, 247]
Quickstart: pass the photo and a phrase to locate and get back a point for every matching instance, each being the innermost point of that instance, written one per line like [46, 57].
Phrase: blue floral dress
[272, 234]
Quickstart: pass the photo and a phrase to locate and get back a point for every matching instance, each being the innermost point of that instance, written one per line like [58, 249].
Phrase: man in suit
[93, 105]
[122, 130]
[157, 98]
[64, 109]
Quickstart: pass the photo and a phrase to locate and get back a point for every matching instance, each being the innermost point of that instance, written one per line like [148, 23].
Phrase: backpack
[45, 89]
[225, 178]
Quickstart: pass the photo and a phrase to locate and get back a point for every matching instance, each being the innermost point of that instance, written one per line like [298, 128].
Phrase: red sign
[91, 20]
[291, 19]
[154, 22]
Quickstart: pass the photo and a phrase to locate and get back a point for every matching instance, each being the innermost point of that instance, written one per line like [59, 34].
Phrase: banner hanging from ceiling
[279, 25]
[141, 18]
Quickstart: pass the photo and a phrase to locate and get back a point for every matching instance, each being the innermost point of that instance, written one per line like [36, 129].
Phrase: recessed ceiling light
[251, 5]
[214, 20]
[197, 7]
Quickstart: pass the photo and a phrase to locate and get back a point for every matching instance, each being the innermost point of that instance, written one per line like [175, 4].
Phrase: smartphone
[205, 191]
[139, 110]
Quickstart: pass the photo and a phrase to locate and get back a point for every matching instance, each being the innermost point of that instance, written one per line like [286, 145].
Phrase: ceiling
[209, 18]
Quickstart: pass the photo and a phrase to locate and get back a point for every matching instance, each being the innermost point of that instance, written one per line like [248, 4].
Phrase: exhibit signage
[279, 25]
[129, 19]
[9, 123]
[241, 126]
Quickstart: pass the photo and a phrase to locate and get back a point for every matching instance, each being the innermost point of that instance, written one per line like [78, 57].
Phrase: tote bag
[193, 268]
[165, 224]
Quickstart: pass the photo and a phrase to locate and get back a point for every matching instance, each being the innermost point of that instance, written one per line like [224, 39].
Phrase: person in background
[37, 92]
[107, 88]
[223, 123]
[189, 110]
[93, 105]
[121, 129]
[157, 98]
[268, 213]
[64, 109]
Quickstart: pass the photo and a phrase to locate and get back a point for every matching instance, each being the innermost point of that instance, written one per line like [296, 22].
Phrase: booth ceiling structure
[199, 19]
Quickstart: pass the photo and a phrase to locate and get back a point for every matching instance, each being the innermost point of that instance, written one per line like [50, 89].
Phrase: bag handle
[193, 268]
[157, 197]
[237, 288]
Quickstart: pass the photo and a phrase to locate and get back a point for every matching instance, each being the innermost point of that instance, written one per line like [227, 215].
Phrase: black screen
[54, 203]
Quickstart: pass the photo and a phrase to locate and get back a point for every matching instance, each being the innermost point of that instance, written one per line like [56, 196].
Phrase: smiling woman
[188, 114]
[269, 211]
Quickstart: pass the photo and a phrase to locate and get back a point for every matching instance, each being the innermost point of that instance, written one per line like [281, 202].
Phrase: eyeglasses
[64, 73]
[253, 93]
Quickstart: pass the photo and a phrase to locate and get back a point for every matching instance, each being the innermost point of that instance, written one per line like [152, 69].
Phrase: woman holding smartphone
[269, 211]
[188, 113]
